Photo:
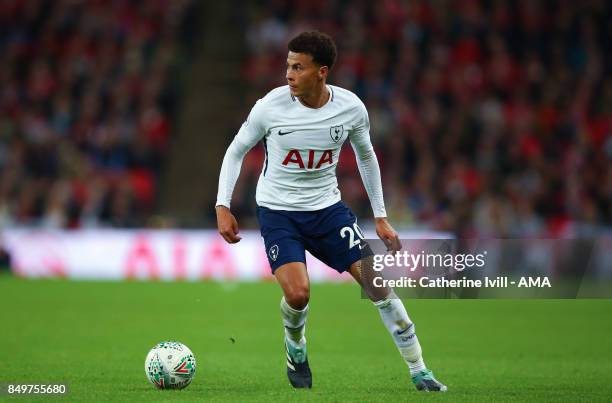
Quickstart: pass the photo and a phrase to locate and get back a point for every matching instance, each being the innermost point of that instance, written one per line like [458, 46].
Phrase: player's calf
[293, 279]
[398, 323]
[402, 329]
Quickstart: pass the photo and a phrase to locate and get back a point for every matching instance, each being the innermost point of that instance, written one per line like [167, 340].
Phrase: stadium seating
[87, 103]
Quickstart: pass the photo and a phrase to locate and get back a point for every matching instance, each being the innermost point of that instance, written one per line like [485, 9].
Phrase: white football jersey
[302, 146]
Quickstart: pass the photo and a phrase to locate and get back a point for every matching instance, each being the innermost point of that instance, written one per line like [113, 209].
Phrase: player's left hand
[389, 236]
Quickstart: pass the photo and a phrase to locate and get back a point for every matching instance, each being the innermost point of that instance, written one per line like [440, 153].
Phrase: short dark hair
[319, 45]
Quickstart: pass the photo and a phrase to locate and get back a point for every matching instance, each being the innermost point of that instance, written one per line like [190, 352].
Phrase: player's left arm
[370, 175]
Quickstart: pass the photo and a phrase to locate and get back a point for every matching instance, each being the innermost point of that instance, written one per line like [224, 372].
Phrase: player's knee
[297, 297]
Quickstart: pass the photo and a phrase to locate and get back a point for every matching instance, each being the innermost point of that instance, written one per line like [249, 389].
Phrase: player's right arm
[251, 131]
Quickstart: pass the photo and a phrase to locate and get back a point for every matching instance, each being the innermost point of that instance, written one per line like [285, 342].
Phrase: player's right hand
[227, 225]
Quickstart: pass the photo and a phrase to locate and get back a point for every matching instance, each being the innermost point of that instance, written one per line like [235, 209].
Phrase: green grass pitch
[95, 335]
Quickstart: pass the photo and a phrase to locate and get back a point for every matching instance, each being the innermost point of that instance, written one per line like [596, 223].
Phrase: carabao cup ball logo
[170, 365]
[273, 252]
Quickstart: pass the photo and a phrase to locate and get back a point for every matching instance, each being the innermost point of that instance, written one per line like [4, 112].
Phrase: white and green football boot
[425, 382]
[298, 370]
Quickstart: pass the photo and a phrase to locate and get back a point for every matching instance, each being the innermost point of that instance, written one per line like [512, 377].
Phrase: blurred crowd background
[88, 96]
[489, 118]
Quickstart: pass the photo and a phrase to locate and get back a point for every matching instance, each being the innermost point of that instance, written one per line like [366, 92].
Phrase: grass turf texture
[95, 335]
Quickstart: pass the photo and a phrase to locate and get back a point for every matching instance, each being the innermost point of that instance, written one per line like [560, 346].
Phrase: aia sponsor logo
[314, 159]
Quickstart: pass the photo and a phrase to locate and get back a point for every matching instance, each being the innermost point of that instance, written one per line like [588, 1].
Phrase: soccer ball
[170, 365]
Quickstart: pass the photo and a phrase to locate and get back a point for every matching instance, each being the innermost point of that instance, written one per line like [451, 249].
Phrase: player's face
[304, 76]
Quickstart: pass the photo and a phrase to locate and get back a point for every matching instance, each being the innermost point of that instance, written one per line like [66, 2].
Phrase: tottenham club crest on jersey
[336, 133]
